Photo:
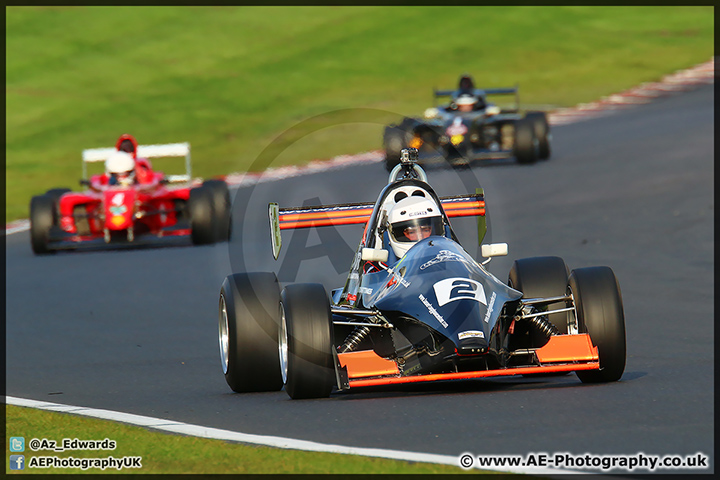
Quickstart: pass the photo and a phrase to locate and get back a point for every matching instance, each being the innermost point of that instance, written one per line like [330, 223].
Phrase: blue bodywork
[439, 284]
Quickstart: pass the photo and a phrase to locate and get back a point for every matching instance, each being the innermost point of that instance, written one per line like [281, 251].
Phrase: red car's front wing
[563, 353]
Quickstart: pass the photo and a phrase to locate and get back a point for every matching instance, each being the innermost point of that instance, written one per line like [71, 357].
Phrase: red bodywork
[563, 353]
[144, 207]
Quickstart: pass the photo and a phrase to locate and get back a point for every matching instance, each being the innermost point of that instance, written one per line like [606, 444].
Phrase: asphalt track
[136, 330]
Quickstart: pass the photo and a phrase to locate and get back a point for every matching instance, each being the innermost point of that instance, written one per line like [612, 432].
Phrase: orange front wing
[563, 353]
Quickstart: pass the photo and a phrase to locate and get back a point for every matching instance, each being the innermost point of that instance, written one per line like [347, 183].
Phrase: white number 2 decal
[452, 289]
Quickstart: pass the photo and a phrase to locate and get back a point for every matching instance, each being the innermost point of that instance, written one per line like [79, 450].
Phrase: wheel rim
[282, 345]
[223, 335]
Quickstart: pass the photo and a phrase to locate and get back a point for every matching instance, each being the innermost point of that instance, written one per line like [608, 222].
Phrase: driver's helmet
[466, 83]
[127, 143]
[120, 167]
[127, 146]
[411, 220]
[466, 102]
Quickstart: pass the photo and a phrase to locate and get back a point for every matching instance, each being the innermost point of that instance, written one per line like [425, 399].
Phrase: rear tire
[249, 320]
[525, 147]
[599, 307]
[202, 216]
[306, 341]
[223, 208]
[42, 219]
[542, 277]
[394, 143]
[542, 133]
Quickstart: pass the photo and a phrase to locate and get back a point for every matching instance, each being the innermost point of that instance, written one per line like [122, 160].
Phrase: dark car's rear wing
[483, 92]
[471, 205]
[478, 92]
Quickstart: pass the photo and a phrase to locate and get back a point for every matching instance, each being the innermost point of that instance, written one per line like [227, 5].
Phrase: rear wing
[472, 205]
[482, 92]
[479, 91]
[144, 151]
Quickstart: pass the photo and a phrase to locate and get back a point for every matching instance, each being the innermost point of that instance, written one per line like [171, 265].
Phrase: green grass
[231, 79]
[169, 453]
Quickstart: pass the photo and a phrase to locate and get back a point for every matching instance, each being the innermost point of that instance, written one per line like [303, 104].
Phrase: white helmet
[121, 167]
[411, 220]
[466, 102]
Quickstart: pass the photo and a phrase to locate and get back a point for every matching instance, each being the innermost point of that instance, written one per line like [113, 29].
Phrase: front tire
[542, 277]
[223, 208]
[306, 341]
[249, 319]
[598, 303]
[55, 194]
[202, 216]
[42, 219]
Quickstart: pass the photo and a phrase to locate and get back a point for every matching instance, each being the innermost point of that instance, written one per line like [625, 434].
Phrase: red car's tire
[306, 341]
[249, 321]
[598, 303]
[202, 216]
[42, 219]
[55, 194]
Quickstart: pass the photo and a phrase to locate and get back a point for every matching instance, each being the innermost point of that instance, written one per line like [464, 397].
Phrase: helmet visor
[416, 229]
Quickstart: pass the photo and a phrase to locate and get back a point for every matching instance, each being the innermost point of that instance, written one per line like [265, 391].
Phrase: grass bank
[229, 80]
[177, 454]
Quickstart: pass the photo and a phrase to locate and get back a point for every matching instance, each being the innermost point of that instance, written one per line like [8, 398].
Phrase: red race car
[130, 204]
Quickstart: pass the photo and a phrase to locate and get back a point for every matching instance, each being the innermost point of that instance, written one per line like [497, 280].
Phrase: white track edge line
[265, 440]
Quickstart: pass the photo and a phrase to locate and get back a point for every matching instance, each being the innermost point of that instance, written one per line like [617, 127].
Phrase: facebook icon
[17, 462]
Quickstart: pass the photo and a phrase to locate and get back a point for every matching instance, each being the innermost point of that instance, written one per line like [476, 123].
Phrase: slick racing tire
[55, 194]
[202, 216]
[394, 143]
[525, 147]
[42, 219]
[542, 277]
[598, 303]
[248, 326]
[542, 133]
[223, 208]
[306, 341]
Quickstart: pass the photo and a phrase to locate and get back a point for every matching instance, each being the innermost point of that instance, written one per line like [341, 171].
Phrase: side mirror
[374, 255]
[494, 250]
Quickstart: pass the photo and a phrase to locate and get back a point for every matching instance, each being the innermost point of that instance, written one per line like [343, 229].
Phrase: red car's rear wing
[472, 205]
[91, 155]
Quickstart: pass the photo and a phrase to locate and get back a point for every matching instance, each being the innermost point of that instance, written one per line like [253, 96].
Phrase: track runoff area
[534, 463]
[683, 80]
